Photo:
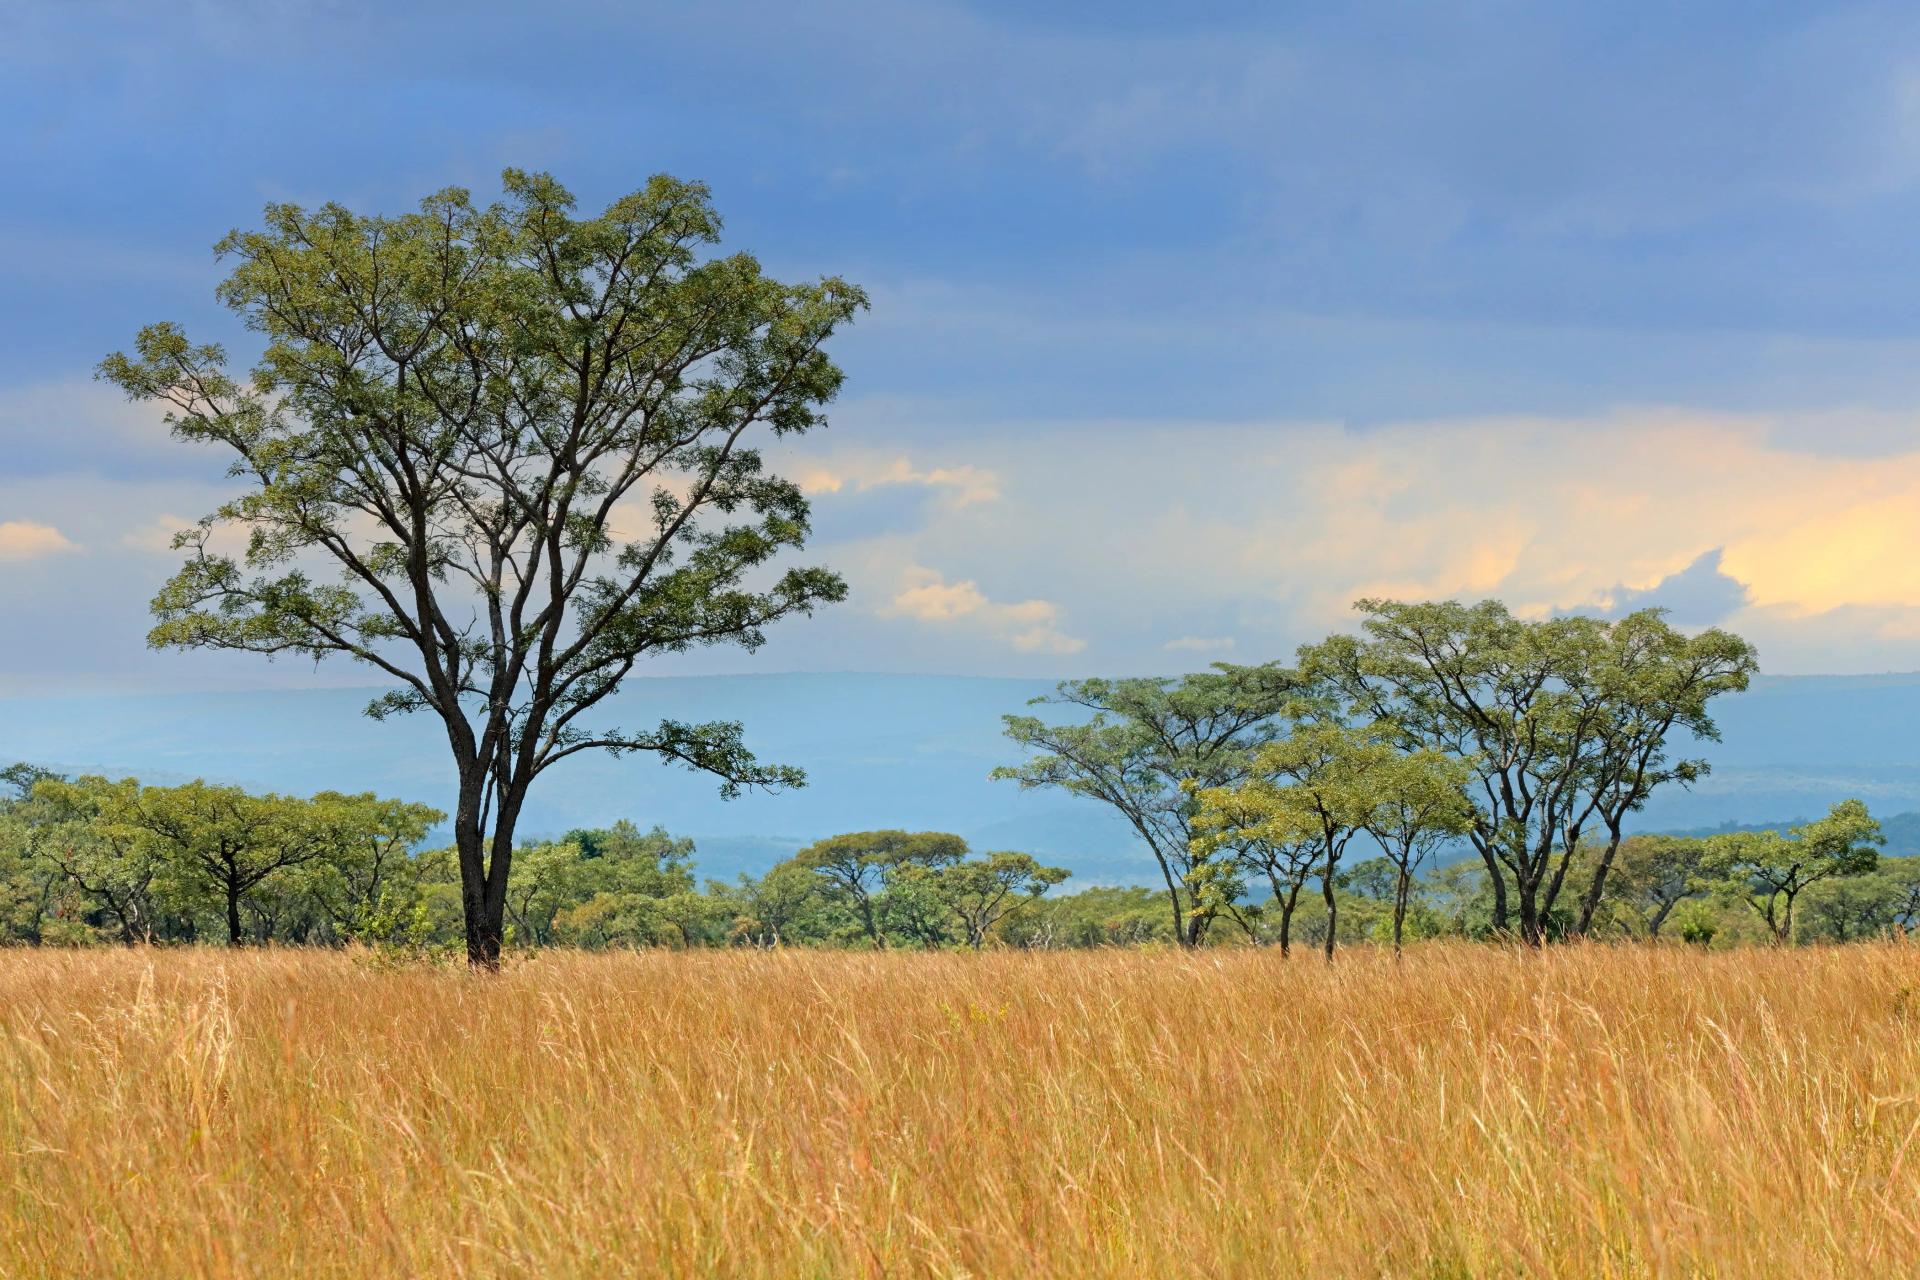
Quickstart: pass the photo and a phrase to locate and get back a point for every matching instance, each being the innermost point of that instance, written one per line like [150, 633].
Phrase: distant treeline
[94, 861]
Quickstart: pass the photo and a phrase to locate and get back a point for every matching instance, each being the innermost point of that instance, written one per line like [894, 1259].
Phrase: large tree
[502, 454]
[1565, 722]
[1145, 747]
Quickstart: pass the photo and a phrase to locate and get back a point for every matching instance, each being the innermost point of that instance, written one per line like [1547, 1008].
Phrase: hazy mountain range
[886, 751]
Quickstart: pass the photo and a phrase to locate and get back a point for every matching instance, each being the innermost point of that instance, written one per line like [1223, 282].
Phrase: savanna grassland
[1469, 1111]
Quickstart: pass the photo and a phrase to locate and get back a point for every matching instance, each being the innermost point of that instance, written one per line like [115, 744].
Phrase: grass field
[1469, 1112]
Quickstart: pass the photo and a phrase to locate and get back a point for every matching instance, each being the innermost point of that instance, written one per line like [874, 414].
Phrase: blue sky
[1190, 322]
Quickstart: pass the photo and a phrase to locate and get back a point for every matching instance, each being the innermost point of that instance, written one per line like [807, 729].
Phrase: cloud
[31, 540]
[1267, 533]
[933, 600]
[157, 534]
[961, 483]
[1200, 644]
[1700, 595]
[76, 425]
[1029, 626]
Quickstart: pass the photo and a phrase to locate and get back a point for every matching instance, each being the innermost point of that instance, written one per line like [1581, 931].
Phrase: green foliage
[1652, 876]
[1769, 870]
[1308, 794]
[921, 887]
[502, 454]
[1145, 747]
[1564, 723]
[1696, 924]
[1099, 917]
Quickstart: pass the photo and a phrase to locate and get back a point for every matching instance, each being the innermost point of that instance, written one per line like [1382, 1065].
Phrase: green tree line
[90, 860]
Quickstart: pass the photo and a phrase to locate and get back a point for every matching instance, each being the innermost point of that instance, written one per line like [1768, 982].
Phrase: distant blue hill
[886, 751]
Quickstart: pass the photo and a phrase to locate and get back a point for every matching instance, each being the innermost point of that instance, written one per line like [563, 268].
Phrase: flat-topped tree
[1144, 746]
[1565, 723]
[502, 454]
[1769, 870]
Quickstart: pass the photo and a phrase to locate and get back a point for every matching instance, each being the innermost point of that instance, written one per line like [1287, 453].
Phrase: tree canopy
[1144, 748]
[502, 454]
[1566, 723]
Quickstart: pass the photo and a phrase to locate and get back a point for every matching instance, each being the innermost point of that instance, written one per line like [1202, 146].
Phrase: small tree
[367, 861]
[222, 839]
[1146, 748]
[112, 862]
[521, 444]
[1771, 869]
[981, 892]
[1311, 788]
[1286, 865]
[546, 880]
[1655, 874]
[856, 866]
[1414, 804]
[776, 905]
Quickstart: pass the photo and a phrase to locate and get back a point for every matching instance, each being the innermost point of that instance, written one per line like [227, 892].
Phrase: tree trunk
[1531, 931]
[233, 912]
[484, 909]
[1333, 908]
[873, 925]
[1590, 904]
[1498, 883]
[1402, 884]
[1286, 918]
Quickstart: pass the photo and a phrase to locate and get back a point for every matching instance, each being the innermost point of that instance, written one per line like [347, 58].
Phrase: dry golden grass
[1470, 1112]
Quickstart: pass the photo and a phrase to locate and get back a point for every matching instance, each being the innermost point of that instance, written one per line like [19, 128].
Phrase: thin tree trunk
[485, 927]
[1590, 904]
[1498, 881]
[1401, 885]
[1333, 908]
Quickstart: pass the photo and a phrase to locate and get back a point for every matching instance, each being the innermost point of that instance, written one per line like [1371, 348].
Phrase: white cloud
[932, 600]
[1271, 531]
[1200, 644]
[963, 484]
[85, 423]
[31, 540]
[1029, 626]
[156, 535]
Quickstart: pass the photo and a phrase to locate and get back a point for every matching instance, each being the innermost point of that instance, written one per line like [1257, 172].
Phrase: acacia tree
[1414, 803]
[1287, 865]
[1771, 869]
[981, 892]
[1313, 789]
[222, 839]
[1650, 680]
[1656, 873]
[115, 864]
[1147, 748]
[859, 865]
[1564, 722]
[521, 445]
[369, 847]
